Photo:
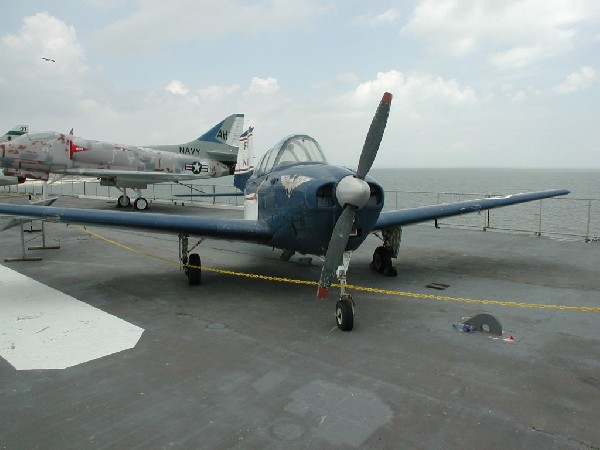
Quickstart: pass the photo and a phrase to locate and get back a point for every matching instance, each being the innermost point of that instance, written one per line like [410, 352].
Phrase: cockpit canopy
[38, 136]
[290, 151]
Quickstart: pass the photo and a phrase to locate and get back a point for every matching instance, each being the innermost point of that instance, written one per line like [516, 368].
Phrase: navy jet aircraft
[14, 132]
[219, 143]
[296, 202]
[37, 155]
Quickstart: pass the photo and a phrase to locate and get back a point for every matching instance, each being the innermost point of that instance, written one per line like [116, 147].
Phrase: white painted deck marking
[42, 328]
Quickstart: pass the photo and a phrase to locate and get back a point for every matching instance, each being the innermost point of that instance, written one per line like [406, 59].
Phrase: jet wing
[235, 229]
[135, 176]
[408, 216]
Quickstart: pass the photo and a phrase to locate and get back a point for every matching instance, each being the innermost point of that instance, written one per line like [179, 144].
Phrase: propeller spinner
[352, 193]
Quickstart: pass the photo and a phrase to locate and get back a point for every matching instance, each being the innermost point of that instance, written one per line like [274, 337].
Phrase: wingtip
[387, 98]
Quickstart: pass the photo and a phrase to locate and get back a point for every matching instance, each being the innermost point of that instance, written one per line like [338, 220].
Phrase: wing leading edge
[408, 216]
[237, 229]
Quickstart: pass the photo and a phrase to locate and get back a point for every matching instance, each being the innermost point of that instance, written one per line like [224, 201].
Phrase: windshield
[40, 136]
[292, 150]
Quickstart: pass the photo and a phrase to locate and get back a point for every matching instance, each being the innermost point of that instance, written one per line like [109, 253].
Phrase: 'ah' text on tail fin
[225, 132]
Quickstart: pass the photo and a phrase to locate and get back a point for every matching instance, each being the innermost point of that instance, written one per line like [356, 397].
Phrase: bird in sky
[48, 59]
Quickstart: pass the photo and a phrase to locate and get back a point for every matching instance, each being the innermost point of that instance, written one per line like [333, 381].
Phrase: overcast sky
[476, 83]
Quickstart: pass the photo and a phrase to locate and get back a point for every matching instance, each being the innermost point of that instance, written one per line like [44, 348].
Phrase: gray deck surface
[245, 363]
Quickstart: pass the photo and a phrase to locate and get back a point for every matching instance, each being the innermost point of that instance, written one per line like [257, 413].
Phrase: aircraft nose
[353, 191]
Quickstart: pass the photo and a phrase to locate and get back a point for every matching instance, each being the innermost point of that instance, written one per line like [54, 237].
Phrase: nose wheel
[344, 313]
[344, 308]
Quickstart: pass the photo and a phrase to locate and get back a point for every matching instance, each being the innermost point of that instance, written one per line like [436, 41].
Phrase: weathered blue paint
[409, 216]
[254, 231]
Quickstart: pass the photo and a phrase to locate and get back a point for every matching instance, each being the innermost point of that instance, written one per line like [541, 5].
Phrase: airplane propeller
[352, 193]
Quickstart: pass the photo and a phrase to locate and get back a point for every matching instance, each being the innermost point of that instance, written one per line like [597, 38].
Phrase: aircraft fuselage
[299, 203]
[35, 155]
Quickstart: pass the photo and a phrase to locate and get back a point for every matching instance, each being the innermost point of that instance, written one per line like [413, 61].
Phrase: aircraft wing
[408, 216]
[11, 221]
[135, 176]
[235, 229]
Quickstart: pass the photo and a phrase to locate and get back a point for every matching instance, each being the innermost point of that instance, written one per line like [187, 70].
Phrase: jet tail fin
[14, 132]
[227, 131]
[244, 167]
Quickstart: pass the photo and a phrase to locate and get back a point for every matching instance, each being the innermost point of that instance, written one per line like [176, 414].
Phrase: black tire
[141, 204]
[344, 315]
[382, 258]
[123, 201]
[194, 273]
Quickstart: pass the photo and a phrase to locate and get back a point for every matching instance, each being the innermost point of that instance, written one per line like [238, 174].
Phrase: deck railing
[560, 217]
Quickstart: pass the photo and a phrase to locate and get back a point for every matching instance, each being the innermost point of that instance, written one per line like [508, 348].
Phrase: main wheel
[123, 201]
[140, 204]
[194, 273]
[382, 258]
[344, 315]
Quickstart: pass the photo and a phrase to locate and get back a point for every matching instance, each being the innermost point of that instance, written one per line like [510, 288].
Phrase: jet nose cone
[353, 191]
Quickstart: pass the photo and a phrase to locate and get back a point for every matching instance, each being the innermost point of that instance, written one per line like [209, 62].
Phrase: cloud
[216, 92]
[265, 86]
[577, 81]
[30, 83]
[43, 36]
[372, 20]
[158, 23]
[520, 56]
[176, 87]
[414, 88]
[69, 93]
[514, 33]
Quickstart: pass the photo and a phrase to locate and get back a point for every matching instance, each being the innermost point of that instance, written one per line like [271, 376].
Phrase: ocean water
[575, 216]
[583, 184]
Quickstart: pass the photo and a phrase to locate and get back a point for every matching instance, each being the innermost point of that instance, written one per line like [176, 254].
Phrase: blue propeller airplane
[295, 201]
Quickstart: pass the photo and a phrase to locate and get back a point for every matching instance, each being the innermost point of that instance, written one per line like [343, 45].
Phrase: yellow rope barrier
[356, 288]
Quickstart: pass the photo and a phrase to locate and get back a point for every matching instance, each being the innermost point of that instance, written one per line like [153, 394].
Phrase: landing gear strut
[344, 308]
[382, 256]
[192, 266]
[124, 201]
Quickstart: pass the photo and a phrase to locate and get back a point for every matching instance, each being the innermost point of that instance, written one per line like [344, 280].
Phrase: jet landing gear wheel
[382, 262]
[123, 201]
[194, 274]
[140, 204]
[344, 314]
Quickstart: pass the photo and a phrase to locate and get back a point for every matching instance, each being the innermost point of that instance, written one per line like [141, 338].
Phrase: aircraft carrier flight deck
[105, 345]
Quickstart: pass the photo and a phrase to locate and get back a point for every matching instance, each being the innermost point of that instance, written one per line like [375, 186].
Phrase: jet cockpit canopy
[290, 151]
[38, 136]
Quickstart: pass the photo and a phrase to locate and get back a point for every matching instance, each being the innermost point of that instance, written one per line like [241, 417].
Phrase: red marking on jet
[73, 148]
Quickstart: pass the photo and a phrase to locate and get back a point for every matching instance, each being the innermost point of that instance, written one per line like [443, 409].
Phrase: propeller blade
[343, 226]
[335, 249]
[374, 136]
